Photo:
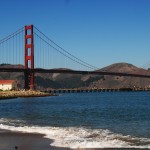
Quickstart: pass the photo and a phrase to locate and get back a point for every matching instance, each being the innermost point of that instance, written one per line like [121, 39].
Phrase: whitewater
[87, 120]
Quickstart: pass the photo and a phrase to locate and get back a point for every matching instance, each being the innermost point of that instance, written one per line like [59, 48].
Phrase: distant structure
[6, 84]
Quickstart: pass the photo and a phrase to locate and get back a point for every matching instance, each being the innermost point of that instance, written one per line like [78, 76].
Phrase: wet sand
[114, 149]
[25, 141]
[32, 141]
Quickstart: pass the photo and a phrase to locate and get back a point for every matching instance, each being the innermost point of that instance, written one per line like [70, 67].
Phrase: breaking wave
[78, 137]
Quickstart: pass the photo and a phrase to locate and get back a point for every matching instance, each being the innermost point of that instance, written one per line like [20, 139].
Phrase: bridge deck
[36, 70]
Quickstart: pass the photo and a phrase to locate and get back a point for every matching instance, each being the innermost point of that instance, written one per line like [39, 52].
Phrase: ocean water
[83, 120]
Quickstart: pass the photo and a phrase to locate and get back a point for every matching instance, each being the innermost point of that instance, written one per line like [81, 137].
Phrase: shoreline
[34, 141]
[25, 141]
[25, 94]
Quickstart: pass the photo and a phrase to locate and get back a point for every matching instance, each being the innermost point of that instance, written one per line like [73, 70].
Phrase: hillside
[120, 81]
[57, 80]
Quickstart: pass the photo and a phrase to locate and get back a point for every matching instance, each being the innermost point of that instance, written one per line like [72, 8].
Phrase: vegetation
[56, 80]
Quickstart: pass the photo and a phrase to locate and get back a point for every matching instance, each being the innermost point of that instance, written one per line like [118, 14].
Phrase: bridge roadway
[37, 70]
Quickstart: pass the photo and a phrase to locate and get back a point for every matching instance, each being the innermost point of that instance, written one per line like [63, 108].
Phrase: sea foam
[80, 137]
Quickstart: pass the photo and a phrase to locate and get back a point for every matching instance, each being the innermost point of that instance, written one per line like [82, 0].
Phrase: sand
[31, 141]
[24, 141]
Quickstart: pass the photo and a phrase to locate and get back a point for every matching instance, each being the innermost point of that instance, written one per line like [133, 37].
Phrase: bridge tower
[29, 58]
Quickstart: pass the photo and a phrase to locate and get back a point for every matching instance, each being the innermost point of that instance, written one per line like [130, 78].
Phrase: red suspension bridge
[41, 55]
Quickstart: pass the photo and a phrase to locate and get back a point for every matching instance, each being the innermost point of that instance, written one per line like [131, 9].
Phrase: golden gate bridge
[31, 48]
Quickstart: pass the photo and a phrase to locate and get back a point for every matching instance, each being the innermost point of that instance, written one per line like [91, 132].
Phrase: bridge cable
[62, 52]
[8, 43]
[87, 64]
[11, 35]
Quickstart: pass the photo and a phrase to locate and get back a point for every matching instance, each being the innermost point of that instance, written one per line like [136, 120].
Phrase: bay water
[83, 120]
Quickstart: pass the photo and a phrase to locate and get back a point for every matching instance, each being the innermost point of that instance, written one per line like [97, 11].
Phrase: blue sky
[100, 32]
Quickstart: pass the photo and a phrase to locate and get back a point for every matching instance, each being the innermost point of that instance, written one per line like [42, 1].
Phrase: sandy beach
[24, 141]
[31, 141]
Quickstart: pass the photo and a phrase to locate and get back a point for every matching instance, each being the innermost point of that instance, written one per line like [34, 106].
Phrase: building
[6, 84]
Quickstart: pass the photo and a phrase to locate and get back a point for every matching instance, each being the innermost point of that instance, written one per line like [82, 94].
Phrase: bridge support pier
[29, 58]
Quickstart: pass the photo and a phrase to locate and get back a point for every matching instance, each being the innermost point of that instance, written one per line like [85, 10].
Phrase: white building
[6, 84]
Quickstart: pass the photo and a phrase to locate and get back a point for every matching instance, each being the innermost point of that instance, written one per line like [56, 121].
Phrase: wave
[79, 137]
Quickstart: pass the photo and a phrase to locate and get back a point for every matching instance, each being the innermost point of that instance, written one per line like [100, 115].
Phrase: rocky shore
[15, 94]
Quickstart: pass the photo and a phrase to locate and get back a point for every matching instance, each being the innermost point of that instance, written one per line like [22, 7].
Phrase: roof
[6, 81]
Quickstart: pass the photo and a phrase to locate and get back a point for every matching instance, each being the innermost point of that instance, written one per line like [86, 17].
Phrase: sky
[100, 32]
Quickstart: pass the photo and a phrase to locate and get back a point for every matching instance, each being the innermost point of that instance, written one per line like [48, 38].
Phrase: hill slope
[57, 80]
[120, 81]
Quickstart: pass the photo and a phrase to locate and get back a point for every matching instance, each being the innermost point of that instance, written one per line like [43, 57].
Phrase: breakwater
[96, 90]
[15, 94]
